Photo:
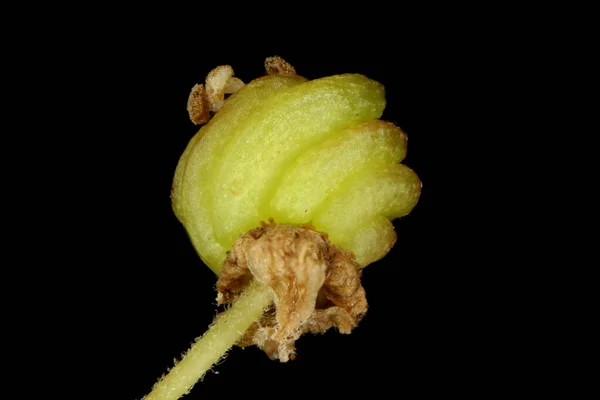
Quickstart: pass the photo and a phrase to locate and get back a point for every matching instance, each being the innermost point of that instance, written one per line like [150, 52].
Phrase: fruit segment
[320, 171]
[389, 191]
[192, 186]
[370, 240]
[287, 124]
[176, 193]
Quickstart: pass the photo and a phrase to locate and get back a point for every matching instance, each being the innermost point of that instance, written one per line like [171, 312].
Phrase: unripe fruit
[301, 152]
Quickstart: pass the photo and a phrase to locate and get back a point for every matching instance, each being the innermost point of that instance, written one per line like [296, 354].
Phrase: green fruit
[316, 174]
[193, 183]
[301, 152]
[357, 216]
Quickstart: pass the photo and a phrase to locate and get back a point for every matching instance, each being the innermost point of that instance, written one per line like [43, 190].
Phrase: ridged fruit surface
[300, 152]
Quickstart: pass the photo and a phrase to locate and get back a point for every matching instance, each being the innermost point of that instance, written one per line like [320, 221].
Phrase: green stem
[225, 331]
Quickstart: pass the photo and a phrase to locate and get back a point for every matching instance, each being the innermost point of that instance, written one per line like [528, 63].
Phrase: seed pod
[301, 152]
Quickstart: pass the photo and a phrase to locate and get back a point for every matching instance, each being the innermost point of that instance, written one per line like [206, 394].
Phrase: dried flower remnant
[278, 66]
[208, 98]
[316, 285]
[197, 106]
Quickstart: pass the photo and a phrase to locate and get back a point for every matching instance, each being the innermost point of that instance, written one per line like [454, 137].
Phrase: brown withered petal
[278, 66]
[316, 285]
[217, 81]
[232, 85]
[208, 98]
[197, 105]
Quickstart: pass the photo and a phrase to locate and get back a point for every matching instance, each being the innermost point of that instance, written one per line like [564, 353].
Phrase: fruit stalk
[225, 331]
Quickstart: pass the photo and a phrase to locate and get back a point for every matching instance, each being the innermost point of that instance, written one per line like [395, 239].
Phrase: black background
[152, 294]
[112, 290]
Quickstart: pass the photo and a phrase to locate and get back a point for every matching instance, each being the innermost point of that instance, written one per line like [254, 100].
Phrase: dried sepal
[316, 285]
[197, 106]
[232, 85]
[278, 66]
[216, 82]
[208, 98]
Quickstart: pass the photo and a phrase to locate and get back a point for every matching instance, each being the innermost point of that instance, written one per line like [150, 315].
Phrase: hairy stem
[225, 331]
